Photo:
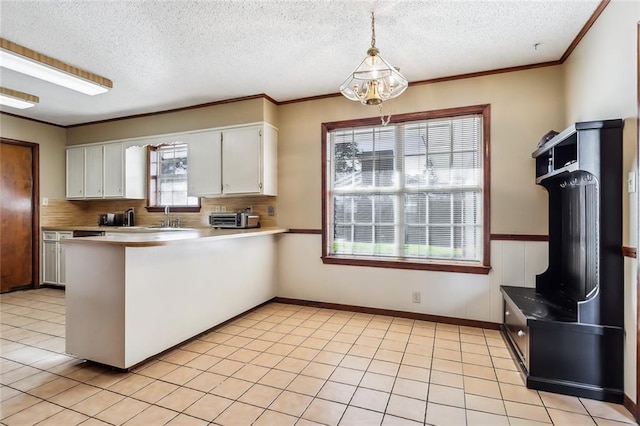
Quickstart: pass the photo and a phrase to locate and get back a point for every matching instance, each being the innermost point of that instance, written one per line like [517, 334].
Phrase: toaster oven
[234, 220]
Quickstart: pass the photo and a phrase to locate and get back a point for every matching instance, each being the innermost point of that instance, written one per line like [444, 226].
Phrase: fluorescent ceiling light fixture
[26, 61]
[15, 99]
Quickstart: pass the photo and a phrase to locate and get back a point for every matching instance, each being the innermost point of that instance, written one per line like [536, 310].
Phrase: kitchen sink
[152, 228]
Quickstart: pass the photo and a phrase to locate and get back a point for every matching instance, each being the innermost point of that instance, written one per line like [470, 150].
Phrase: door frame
[35, 202]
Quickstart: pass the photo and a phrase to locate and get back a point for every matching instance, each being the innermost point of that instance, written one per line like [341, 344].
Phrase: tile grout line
[61, 370]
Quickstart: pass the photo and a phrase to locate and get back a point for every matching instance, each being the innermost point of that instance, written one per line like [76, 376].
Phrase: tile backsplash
[85, 212]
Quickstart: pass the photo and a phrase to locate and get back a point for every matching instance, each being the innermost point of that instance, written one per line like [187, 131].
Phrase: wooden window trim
[432, 265]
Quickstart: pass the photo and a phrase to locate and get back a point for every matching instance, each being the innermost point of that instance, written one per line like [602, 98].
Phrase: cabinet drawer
[50, 236]
[518, 332]
[65, 235]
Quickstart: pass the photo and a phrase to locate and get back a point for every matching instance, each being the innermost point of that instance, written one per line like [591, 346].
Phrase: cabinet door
[135, 172]
[75, 173]
[241, 161]
[62, 267]
[113, 170]
[93, 171]
[50, 262]
[205, 165]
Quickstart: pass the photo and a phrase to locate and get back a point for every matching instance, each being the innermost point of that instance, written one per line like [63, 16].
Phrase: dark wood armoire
[567, 333]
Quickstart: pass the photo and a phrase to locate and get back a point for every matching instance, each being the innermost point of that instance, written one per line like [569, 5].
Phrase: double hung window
[412, 194]
[168, 168]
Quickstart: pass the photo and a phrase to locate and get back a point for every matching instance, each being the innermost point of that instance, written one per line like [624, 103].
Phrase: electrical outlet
[415, 296]
[45, 201]
[223, 209]
[216, 209]
[271, 211]
[250, 209]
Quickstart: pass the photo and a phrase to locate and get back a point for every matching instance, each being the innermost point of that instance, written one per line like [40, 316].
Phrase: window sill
[160, 209]
[396, 263]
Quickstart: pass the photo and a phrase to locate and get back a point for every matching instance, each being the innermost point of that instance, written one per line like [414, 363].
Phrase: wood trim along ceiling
[198, 106]
[592, 19]
[388, 312]
[35, 120]
[441, 79]
[587, 26]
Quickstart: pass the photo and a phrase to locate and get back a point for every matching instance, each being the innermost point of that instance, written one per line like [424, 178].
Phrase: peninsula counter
[130, 296]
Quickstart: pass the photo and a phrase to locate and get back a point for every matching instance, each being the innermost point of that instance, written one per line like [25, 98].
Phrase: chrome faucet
[167, 216]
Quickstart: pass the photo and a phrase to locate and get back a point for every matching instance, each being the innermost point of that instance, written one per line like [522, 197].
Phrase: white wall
[601, 83]
[302, 275]
[52, 141]
[597, 82]
[524, 106]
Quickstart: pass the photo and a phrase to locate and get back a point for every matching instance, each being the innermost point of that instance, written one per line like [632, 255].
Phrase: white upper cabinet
[204, 164]
[239, 160]
[241, 165]
[234, 161]
[113, 170]
[75, 173]
[93, 172]
[106, 171]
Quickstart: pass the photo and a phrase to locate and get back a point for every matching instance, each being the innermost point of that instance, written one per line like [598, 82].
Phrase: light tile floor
[279, 365]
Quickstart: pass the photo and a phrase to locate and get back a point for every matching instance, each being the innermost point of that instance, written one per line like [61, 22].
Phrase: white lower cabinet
[53, 257]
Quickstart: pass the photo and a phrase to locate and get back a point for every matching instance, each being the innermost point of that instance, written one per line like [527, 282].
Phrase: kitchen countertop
[162, 237]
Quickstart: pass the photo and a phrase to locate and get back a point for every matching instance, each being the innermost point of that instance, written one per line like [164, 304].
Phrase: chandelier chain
[373, 30]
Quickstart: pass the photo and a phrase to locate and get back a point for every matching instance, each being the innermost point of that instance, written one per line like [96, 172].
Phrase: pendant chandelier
[374, 80]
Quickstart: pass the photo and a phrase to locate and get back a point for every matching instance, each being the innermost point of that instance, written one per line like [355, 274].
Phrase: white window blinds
[411, 190]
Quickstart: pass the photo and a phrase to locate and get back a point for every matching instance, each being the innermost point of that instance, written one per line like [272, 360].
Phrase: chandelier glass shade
[374, 80]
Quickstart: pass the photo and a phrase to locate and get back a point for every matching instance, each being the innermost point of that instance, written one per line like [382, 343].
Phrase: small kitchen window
[168, 173]
[413, 194]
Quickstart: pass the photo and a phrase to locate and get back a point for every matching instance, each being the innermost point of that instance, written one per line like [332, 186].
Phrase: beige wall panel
[226, 114]
[52, 141]
[601, 71]
[601, 83]
[524, 106]
[270, 112]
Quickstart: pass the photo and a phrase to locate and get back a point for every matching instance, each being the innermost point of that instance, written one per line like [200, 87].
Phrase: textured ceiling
[169, 54]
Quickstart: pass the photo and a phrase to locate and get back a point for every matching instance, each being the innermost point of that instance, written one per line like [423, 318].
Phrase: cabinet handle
[520, 333]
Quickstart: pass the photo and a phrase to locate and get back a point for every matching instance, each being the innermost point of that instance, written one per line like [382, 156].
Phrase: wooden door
[18, 215]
